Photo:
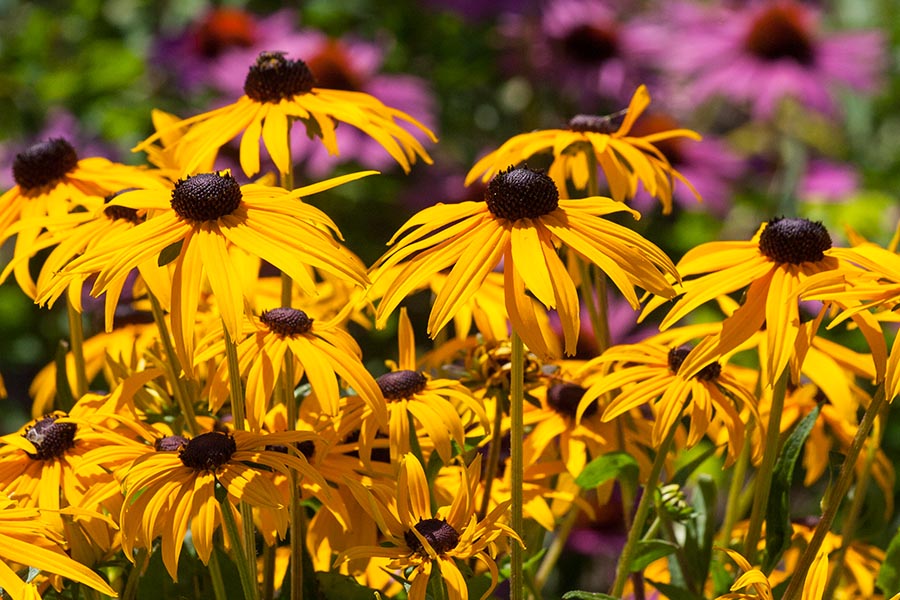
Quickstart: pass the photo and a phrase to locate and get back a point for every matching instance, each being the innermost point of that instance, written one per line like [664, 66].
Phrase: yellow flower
[420, 539]
[772, 267]
[521, 223]
[202, 219]
[277, 91]
[626, 160]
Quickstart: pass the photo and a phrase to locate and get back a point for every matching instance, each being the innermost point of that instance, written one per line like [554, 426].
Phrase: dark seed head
[307, 448]
[521, 193]
[397, 385]
[286, 321]
[208, 451]
[50, 439]
[440, 535]
[171, 443]
[123, 213]
[794, 241]
[591, 45]
[43, 164]
[564, 399]
[780, 33]
[677, 355]
[592, 123]
[274, 78]
[206, 197]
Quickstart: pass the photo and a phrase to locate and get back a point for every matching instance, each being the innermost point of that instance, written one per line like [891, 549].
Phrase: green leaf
[649, 550]
[609, 466]
[334, 586]
[681, 475]
[579, 595]
[64, 396]
[699, 532]
[674, 592]
[778, 509]
[889, 574]
[169, 253]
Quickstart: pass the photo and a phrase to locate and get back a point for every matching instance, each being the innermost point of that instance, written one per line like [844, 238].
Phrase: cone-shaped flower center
[779, 32]
[794, 241]
[44, 163]
[123, 213]
[206, 197]
[50, 439]
[208, 451]
[439, 534]
[592, 123]
[171, 443]
[564, 399]
[333, 68]
[397, 385]
[677, 355]
[223, 29]
[286, 321]
[591, 45]
[274, 78]
[521, 193]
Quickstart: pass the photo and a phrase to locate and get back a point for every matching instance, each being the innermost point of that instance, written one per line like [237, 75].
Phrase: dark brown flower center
[521, 193]
[274, 78]
[332, 68]
[307, 448]
[672, 148]
[564, 399]
[208, 451]
[171, 443]
[286, 321]
[592, 123]
[123, 213]
[591, 45]
[794, 241]
[43, 164]
[224, 28]
[677, 355]
[50, 438]
[440, 535]
[397, 385]
[206, 197]
[778, 33]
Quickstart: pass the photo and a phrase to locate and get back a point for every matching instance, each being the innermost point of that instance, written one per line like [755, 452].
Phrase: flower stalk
[517, 474]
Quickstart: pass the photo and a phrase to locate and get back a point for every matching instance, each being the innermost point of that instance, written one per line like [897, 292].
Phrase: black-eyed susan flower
[443, 408]
[28, 540]
[175, 487]
[321, 351]
[51, 181]
[203, 218]
[418, 539]
[772, 267]
[522, 223]
[757, 586]
[650, 373]
[278, 91]
[589, 140]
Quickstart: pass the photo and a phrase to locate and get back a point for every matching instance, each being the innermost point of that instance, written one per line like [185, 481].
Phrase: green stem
[838, 492]
[76, 338]
[215, 575]
[623, 569]
[134, 576]
[247, 575]
[764, 477]
[556, 547]
[733, 506]
[517, 466]
[436, 583]
[173, 369]
[268, 573]
[493, 457]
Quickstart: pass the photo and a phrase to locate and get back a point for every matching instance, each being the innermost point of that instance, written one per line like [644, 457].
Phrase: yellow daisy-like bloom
[175, 486]
[649, 372]
[589, 140]
[522, 223]
[277, 91]
[772, 266]
[761, 587]
[204, 217]
[52, 181]
[420, 538]
[438, 405]
[321, 351]
[28, 539]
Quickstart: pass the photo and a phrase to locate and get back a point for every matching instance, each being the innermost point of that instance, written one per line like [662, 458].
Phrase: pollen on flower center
[208, 451]
[521, 193]
[440, 535]
[44, 163]
[778, 33]
[50, 439]
[677, 355]
[286, 321]
[274, 78]
[794, 241]
[122, 213]
[170, 443]
[206, 197]
[401, 384]
[564, 399]
[592, 123]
